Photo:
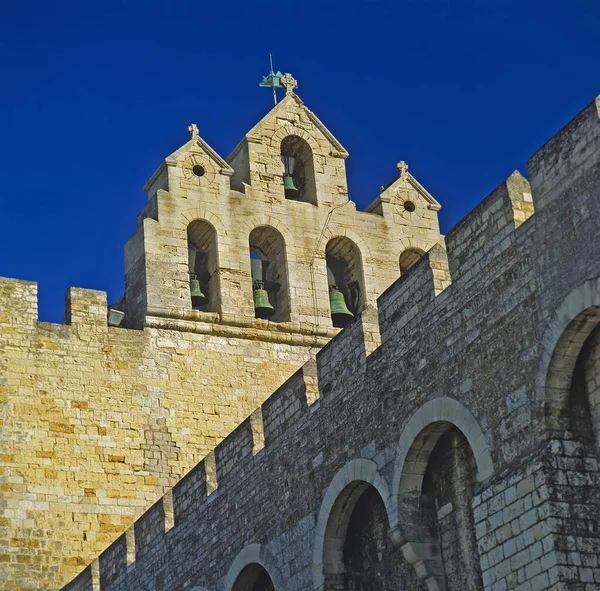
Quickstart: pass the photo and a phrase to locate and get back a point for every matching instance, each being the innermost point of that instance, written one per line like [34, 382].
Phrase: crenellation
[569, 155]
[411, 296]
[235, 452]
[86, 308]
[20, 302]
[149, 530]
[114, 560]
[285, 406]
[485, 232]
[344, 358]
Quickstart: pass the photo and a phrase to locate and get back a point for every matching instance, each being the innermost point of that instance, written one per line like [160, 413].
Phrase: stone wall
[476, 355]
[97, 422]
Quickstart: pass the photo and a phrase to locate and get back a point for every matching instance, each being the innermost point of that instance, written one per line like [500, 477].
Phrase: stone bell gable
[193, 168]
[291, 128]
[307, 238]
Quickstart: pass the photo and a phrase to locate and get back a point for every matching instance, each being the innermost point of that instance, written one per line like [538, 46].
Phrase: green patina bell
[340, 314]
[289, 187]
[198, 298]
[262, 305]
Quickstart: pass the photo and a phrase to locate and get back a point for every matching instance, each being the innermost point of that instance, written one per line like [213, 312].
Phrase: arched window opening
[371, 561]
[203, 265]
[270, 284]
[358, 552]
[408, 258]
[445, 509]
[345, 280]
[299, 170]
[584, 395]
[253, 578]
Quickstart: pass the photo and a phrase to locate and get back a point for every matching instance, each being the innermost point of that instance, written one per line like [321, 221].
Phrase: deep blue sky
[94, 96]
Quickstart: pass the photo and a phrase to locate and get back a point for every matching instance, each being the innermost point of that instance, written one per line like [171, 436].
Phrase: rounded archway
[353, 549]
[442, 454]
[566, 341]
[571, 386]
[253, 569]
[408, 258]
[253, 577]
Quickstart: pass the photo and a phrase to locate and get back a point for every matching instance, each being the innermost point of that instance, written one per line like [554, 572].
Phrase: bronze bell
[340, 314]
[290, 189]
[198, 298]
[262, 305]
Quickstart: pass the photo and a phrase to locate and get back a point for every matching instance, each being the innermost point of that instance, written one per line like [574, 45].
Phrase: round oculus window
[198, 170]
[409, 206]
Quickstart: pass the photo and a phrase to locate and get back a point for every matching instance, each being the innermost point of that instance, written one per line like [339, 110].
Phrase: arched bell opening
[298, 170]
[408, 258]
[270, 285]
[345, 280]
[437, 486]
[203, 266]
[253, 578]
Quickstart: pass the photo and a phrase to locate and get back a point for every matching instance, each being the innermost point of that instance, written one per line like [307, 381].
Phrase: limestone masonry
[447, 438]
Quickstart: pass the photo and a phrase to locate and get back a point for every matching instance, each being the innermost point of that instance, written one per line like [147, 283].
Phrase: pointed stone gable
[194, 166]
[257, 158]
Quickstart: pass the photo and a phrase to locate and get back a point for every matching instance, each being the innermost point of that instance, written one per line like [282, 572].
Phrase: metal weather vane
[272, 80]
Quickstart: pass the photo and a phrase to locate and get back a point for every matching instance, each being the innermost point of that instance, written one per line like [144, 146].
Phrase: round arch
[254, 222]
[346, 263]
[339, 500]
[249, 555]
[570, 325]
[410, 242]
[195, 213]
[408, 258]
[336, 231]
[288, 130]
[418, 439]
[434, 418]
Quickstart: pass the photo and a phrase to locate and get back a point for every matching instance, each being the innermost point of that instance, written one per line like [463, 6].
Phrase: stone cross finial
[193, 129]
[402, 167]
[289, 83]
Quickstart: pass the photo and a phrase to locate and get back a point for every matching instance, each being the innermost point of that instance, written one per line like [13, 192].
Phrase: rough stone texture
[97, 422]
[494, 338]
